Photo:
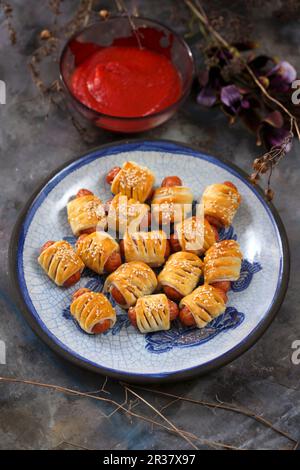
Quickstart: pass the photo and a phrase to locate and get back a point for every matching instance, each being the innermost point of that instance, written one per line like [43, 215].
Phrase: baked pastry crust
[149, 247]
[95, 249]
[152, 313]
[182, 272]
[60, 262]
[125, 213]
[92, 308]
[221, 201]
[195, 235]
[171, 204]
[205, 303]
[86, 212]
[222, 262]
[133, 280]
[134, 181]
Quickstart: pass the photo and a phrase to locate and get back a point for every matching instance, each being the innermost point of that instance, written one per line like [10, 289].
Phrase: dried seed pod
[104, 14]
[45, 34]
[254, 178]
[264, 167]
[256, 164]
[269, 194]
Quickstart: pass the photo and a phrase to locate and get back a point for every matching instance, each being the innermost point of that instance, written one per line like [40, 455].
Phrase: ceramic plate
[169, 355]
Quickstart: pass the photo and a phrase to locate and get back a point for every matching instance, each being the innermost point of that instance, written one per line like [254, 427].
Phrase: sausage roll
[152, 313]
[86, 214]
[149, 247]
[60, 262]
[95, 249]
[92, 310]
[134, 181]
[195, 235]
[131, 280]
[181, 272]
[171, 203]
[222, 262]
[205, 303]
[125, 213]
[221, 201]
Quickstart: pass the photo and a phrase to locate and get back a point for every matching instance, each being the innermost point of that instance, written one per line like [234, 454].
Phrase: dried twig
[77, 446]
[121, 407]
[223, 406]
[81, 17]
[161, 415]
[8, 12]
[122, 8]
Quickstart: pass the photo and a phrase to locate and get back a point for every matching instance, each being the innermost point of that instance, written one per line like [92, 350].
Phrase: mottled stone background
[34, 140]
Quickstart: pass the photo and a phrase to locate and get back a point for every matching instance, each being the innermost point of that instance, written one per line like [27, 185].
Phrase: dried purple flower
[281, 76]
[210, 83]
[273, 133]
[231, 96]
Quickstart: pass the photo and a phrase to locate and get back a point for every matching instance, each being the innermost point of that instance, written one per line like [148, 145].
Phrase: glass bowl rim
[130, 118]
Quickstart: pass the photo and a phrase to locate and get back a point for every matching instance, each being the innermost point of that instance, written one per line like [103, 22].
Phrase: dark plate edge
[135, 378]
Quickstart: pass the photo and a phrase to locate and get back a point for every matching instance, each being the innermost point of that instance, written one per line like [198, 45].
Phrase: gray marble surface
[34, 140]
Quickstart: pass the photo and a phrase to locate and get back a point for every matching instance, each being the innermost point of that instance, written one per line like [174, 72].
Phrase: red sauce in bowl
[126, 82]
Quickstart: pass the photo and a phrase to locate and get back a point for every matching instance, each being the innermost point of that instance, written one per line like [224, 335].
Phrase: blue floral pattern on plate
[185, 337]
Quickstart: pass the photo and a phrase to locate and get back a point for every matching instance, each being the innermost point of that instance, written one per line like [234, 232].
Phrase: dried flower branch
[123, 9]
[220, 405]
[81, 17]
[8, 12]
[246, 88]
[57, 388]
[160, 414]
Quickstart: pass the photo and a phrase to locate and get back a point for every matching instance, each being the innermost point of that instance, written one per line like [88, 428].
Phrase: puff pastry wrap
[95, 249]
[125, 213]
[222, 262]
[205, 303]
[92, 308]
[60, 262]
[149, 247]
[171, 203]
[221, 201]
[195, 235]
[182, 272]
[133, 280]
[133, 181]
[152, 313]
[86, 212]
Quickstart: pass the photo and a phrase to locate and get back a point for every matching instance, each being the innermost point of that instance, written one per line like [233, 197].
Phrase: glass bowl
[117, 31]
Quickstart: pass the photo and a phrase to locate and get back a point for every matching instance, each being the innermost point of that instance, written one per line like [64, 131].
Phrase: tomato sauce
[126, 81]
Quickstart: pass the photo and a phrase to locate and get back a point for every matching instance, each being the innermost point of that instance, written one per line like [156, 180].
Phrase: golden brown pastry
[222, 262]
[221, 201]
[153, 313]
[134, 181]
[61, 263]
[86, 214]
[181, 273]
[129, 282]
[125, 213]
[93, 311]
[203, 305]
[171, 204]
[96, 250]
[149, 247]
[195, 235]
